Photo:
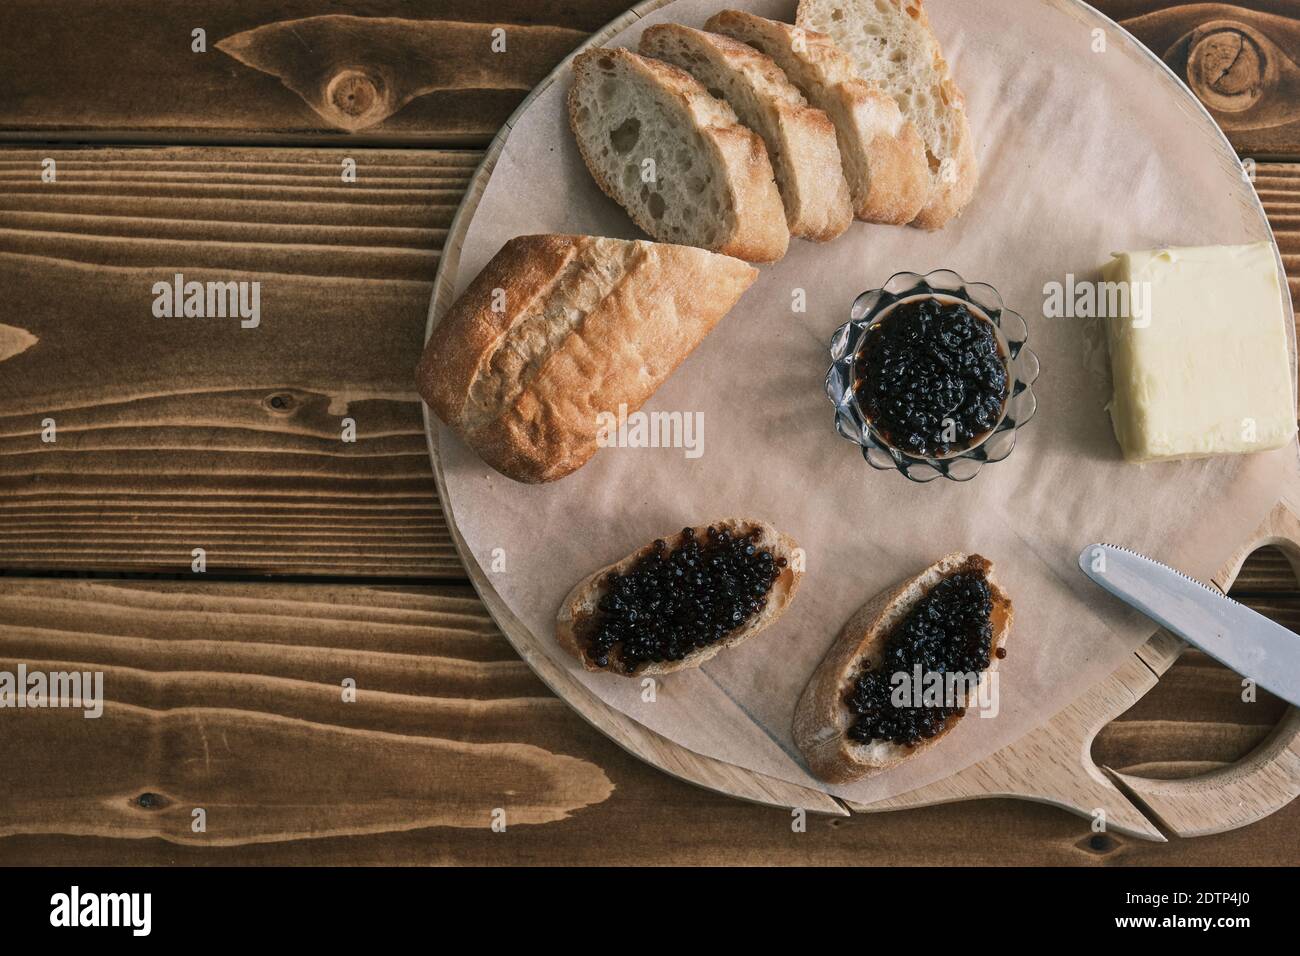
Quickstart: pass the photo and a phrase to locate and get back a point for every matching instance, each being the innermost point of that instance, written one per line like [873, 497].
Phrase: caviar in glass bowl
[931, 376]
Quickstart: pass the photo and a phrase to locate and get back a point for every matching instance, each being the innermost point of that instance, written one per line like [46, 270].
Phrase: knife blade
[1231, 633]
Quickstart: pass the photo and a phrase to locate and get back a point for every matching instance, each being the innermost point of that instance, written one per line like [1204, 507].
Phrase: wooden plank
[228, 698]
[299, 72]
[1237, 57]
[182, 433]
[293, 71]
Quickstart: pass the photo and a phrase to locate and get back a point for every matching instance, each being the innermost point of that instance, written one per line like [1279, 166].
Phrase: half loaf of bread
[556, 330]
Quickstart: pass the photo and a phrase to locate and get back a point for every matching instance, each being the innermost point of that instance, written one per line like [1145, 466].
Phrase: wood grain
[292, 71]
[427, 75]
[1239, 59]
[227, 697]
[182, 433]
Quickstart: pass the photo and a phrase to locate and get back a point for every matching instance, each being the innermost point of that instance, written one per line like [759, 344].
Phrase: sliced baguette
[556, 330]
[580, 606]
[800, 139]
[712, 183]
[822, 718]
[891, 44]
[882, 153]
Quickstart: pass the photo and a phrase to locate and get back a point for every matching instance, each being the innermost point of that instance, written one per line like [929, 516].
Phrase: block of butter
[1198, 348]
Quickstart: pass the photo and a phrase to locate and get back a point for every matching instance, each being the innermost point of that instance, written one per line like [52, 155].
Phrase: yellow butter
[1199, 353]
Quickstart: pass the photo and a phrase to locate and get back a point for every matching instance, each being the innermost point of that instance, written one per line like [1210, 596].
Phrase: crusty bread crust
[580, 604]
[758, 228]
[948, 192]
[800, 139]
[556, 330]
[883, 154]
[822, 717]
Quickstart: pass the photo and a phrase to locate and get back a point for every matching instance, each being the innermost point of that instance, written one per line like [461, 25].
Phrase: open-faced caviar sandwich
[679, 600]
[951, 619]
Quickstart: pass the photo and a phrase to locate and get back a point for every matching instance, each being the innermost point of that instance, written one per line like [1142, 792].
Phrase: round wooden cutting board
[1051, 763]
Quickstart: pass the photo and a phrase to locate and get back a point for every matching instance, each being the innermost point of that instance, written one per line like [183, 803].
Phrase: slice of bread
[882, 153]
[822, 718]
[556, 330]
[580, 606]
[674, 157]
[891, 44]
[800, 139]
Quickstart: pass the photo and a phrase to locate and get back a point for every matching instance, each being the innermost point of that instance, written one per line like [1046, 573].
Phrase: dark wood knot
[151, 801]
[1101, 843]
[280, 403]
[356, 95]
[1227, 66]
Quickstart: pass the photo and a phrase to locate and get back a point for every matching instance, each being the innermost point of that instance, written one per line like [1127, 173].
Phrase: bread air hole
[624, 137]
[657, 206]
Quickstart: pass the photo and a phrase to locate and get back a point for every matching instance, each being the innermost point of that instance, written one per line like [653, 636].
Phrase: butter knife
[1232, 634]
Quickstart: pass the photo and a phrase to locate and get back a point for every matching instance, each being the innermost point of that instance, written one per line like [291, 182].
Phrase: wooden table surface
[329, 560]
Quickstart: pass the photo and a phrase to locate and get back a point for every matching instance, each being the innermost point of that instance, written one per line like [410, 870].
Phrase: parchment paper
[1082, 153]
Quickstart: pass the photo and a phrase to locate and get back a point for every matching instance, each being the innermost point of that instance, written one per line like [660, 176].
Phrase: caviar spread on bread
[950, 620]
[949, 631]
[676, 600]
[932, 377]
[680, 600]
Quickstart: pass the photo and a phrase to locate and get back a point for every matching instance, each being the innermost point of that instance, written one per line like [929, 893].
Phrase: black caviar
[931, 377]
[673, 601]
[949, 631]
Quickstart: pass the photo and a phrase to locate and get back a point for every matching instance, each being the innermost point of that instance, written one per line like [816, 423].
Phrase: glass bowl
[1022, 369]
